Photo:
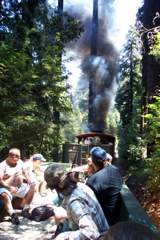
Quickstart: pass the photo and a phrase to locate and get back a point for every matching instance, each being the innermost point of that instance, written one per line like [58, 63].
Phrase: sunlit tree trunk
[151, 68]
[56, 116]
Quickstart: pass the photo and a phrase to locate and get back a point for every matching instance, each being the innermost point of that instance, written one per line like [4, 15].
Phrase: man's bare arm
[83, 168]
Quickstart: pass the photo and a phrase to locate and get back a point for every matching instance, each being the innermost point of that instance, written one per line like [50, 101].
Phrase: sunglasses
[14, 155]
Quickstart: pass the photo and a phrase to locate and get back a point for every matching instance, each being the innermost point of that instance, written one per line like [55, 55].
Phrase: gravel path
[28, 229]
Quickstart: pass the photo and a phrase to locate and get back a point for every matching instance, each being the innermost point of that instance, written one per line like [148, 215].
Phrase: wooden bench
[129, 209]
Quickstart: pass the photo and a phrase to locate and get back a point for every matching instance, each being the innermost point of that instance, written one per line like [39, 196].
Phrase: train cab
[78, 153]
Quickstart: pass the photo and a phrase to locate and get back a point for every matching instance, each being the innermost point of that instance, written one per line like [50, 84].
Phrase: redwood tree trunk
[151, 68]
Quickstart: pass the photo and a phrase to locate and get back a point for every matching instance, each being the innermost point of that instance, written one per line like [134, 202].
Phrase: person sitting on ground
[36, 172]
[106, 183]
[84, 214]
[129, 230]
[89, 168]
[11, 184]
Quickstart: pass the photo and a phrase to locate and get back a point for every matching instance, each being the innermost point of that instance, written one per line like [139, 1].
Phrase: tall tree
[32, 85]
[129, 93]
[92, 114]
[128, 102]
[56, 112]
[151, 68]
[60, 5]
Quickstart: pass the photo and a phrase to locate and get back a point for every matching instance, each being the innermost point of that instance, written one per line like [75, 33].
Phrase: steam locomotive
[78, 153]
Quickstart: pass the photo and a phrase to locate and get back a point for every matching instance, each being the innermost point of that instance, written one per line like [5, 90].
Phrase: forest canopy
[33, 81]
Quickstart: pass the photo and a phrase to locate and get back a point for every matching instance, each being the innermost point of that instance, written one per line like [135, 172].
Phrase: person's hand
[29, 182]
[69, 169]
[32, 184]
[5, 176]
[13, 189]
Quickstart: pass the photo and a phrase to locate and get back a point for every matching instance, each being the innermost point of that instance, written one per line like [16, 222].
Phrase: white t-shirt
[6, 169]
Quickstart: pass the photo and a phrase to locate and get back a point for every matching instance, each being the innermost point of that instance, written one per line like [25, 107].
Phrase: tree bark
[150, 68]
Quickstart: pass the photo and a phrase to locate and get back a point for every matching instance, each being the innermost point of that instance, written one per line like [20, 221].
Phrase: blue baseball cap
[98, 154]
[38, 157]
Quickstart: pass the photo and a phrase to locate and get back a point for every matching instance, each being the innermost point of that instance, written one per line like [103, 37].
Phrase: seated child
[36, 172]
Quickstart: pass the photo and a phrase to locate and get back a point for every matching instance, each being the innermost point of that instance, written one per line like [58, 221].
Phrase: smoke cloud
[100, 68]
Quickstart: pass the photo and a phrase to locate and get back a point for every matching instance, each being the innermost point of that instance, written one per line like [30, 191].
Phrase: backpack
[42, 213]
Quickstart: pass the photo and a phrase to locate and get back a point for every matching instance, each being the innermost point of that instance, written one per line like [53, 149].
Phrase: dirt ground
[28, 229]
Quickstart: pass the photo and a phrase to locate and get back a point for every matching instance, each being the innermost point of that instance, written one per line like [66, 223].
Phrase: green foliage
[129, 92]
[131, 144]
[33, 87]
[152, 136]
[155, 48]
[140, 153]
[113, 124]
[80, 101]
[78, 119]
[131, 147]
[73, 126]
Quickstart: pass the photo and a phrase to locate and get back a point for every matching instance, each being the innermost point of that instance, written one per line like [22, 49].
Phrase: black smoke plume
[99, 65]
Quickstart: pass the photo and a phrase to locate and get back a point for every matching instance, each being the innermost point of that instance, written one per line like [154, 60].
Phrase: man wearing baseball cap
[106, 182]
